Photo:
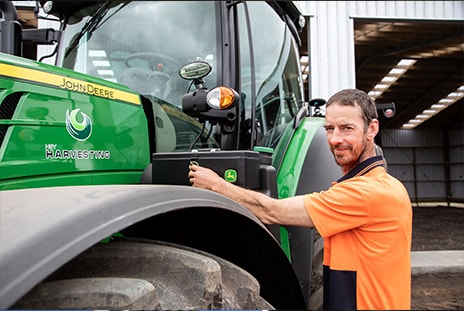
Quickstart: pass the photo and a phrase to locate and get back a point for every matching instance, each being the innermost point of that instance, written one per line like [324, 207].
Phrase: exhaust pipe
[10, 30]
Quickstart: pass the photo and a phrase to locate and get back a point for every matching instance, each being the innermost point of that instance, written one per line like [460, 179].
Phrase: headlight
[220, 97]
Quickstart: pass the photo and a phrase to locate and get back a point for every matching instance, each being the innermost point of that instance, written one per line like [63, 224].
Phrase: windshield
[139, 45]
[142, 44]
[279, 93]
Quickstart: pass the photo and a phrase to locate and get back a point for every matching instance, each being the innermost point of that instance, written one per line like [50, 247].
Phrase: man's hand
[202, 177]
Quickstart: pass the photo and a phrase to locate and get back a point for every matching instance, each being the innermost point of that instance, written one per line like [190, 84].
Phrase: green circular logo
[230, 175]
[79, 130]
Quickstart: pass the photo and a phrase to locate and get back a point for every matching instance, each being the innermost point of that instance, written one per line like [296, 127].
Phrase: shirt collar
[363, 167]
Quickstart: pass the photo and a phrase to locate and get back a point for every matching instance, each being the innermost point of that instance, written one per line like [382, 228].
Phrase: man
[365, 218]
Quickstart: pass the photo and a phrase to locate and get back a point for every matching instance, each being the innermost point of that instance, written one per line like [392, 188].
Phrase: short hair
[353, 97]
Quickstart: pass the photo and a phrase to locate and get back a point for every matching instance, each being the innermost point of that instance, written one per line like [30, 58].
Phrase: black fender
[44, 228]
[318, 172]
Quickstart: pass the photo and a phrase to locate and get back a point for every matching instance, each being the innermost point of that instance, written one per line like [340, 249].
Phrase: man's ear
[373, 129]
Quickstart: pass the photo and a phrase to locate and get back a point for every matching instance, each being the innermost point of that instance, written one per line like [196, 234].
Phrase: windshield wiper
[89, 26]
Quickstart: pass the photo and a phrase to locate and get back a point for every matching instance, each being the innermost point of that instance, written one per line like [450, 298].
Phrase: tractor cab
[144, 44]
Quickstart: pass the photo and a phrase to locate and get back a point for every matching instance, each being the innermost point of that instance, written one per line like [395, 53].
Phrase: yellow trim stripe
[67, 83]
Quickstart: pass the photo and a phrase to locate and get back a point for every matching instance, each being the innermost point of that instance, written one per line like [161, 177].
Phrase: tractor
[96, 211]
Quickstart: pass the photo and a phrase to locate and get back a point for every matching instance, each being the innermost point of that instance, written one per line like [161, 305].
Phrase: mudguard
[43, 228]
[305, 168]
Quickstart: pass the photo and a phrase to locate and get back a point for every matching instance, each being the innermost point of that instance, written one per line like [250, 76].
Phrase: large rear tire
[146, 275]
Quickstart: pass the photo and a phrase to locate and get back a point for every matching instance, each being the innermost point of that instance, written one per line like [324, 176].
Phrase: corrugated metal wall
[331, 39]
[456, 164]
[429, 163]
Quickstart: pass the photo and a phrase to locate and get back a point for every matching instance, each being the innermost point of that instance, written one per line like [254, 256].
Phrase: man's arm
[290, 211]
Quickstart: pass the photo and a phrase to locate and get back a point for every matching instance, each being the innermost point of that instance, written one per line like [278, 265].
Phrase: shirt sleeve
[342, 207]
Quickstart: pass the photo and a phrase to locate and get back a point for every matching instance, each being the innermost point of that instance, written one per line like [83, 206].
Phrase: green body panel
[293, 157]
[291, 154]
[38, 150]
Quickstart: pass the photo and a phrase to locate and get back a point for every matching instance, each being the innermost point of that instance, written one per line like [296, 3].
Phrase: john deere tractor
[96, 211]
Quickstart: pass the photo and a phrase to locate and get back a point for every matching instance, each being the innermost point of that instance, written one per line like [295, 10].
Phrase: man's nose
[335, 137]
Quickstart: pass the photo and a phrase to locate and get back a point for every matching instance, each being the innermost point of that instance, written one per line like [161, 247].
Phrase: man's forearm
[257, 202]
[290, 211]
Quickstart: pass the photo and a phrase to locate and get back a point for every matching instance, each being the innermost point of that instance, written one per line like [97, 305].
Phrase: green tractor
[96, 211]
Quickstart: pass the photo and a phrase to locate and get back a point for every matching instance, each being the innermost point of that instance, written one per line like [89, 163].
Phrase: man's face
[346, 134]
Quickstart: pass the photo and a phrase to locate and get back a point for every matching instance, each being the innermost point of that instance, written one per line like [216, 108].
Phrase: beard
[348, 156]
[344, 155]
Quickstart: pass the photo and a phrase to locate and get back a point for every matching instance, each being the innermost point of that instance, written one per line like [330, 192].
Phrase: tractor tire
[146, 275]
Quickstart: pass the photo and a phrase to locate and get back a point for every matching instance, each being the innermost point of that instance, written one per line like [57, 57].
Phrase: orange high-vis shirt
[366, 223]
